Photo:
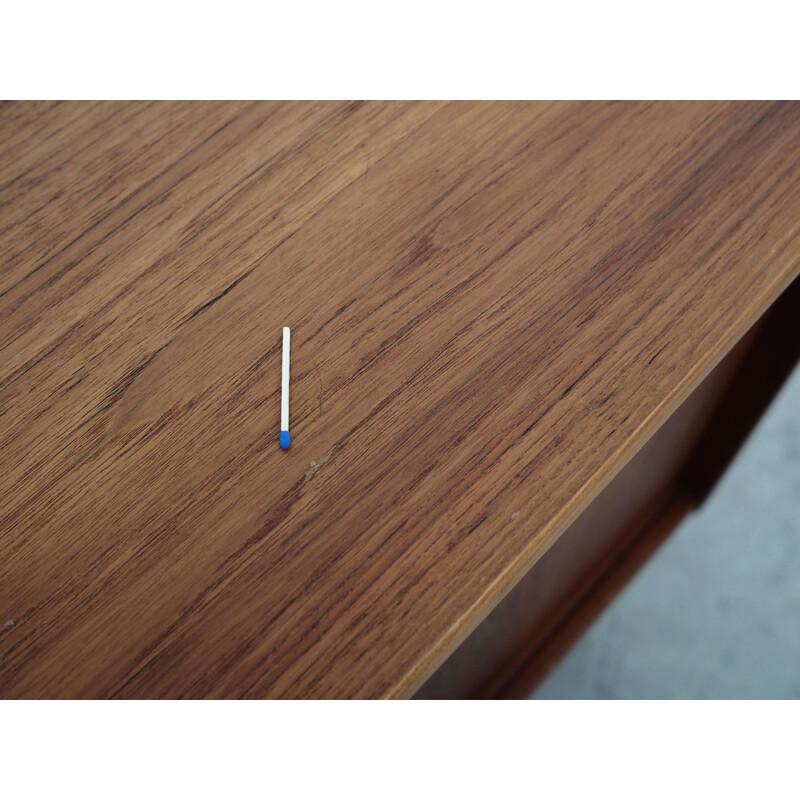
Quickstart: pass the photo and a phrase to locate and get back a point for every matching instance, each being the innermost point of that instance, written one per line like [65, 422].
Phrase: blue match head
[285, 440]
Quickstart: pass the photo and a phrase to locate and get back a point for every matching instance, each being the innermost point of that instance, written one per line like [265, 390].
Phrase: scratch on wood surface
[314, 466]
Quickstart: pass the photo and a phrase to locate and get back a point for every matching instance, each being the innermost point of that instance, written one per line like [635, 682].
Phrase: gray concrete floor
[716, 612]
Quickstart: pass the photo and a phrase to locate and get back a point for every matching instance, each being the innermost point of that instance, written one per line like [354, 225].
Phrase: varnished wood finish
[493, 307]
[528, 629]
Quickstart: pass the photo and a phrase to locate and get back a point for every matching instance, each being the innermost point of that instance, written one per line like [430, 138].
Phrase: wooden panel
[551, 649]
[535, 625]
[493, 307]
[768, 364]
[569, 573]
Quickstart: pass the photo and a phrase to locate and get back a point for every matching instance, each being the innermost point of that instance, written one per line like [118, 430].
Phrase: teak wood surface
[493, 307]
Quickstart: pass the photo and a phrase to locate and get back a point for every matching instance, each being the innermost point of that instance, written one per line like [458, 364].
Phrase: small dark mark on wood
[581, 377]
[657, 354]
[229, 288]
[477, 523]
[538, 419]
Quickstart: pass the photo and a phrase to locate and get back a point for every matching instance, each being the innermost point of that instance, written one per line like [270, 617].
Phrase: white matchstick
[285, 439]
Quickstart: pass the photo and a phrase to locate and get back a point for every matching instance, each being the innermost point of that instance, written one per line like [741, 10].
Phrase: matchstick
[285, 439]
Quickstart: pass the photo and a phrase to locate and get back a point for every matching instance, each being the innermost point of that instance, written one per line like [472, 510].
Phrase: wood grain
[493, 307]
[525, 633]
